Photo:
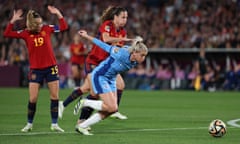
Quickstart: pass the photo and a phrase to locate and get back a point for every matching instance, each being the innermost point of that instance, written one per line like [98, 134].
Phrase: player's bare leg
[120, 88]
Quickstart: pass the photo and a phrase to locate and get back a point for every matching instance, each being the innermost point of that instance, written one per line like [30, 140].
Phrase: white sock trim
[95, 104]
[95, 118]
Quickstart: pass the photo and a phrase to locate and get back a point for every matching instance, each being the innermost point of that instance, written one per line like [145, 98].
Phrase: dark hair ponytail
[110, 12]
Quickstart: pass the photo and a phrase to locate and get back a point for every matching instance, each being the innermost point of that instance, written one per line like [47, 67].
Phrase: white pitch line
[33, 133]
[234, 123]
[109, 131]
[162, 129]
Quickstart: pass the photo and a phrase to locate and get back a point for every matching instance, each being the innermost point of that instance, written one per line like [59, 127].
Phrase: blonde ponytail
[32, 23]
[138, 45]
[137, 40]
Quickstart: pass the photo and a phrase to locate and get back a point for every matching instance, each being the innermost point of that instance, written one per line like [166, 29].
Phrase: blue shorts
[39, 75]
[102, 84]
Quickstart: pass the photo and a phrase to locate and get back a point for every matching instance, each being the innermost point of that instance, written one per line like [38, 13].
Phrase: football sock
[95, 118]
[119, 96]
[54, 111]
[31, 111]
[86, 111]
[77, 81]
[95, 104]
[74, 95]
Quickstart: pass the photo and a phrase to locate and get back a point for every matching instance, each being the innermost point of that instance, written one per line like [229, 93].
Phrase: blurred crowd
[162, 24]
[169, 74]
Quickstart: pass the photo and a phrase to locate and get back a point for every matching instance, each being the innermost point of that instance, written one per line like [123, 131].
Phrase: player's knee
[112, 108]
[121, 85]
[54, 96]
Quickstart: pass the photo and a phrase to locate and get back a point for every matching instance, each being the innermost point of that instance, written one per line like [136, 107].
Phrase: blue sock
[31, 111]
[74, 95]
[54, 111]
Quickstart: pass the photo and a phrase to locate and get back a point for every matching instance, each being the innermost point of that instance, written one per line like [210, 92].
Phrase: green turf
[157, 117]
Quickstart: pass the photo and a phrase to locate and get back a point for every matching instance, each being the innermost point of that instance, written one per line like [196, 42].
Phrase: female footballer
[43, 66]
[101, 82]
[112, 32]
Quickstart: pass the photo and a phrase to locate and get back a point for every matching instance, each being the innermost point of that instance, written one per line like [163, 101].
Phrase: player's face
[122, 18]
[76, 38]
[140, 56]
[36, 25]
[39, 22]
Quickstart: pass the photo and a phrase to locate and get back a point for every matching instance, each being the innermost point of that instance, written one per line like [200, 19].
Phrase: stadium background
[174, 30]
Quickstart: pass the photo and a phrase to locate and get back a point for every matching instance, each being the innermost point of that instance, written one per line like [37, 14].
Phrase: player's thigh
[75, 70]
[109, 100]
[33, 91]
[120, 82]
[52, 79]
[53, 89]
[85, 87]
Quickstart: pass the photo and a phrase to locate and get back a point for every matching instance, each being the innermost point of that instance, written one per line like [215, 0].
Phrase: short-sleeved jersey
[117, 62]
[104, 75]
[75, 49]
[96, 55]
[39, 45]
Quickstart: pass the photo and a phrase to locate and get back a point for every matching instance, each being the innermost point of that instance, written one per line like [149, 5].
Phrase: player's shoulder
[126, 47]
[106, 26]
[123, 51]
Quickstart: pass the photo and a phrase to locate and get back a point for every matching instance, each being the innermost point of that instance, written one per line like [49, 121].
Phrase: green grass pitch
[154, 117]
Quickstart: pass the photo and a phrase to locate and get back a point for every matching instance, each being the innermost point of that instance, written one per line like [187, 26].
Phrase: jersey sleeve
[61, 27]
[105, 27]
[9, 32]
[102, 45]
[63, 24]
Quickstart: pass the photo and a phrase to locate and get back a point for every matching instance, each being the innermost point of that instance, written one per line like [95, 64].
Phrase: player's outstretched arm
[85, 35]
[9, 32]
[96, 41]
[17, 15]
[56, 11]
[110, 39]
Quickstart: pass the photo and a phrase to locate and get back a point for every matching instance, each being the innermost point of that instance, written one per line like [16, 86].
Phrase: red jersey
[39, 45]
[97, 54]
[77, 51]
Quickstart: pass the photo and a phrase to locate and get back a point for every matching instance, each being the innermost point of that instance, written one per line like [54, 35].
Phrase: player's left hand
[17, 15]
[53, 9]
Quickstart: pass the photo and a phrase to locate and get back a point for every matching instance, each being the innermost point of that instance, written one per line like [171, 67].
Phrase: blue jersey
[104, 75]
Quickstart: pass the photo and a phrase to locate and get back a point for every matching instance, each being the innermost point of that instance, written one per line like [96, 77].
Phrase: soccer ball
[217, 128]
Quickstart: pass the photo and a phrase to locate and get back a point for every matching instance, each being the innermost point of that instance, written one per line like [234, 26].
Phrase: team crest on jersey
[106, 86]
[115, 50]
[107, 28]
[43, 33]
